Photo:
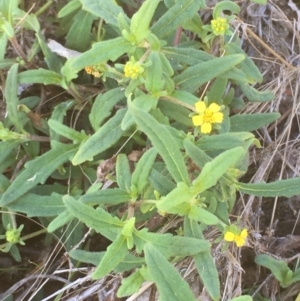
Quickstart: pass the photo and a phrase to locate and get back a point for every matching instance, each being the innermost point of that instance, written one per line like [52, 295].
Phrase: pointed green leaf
[53, 61]
[170, 284]
[187, 55]
[67, 132]
[107, 10]
[247, 65]
[131, 284]
[214, 170]
[208, 273]
[103, 105]
[11, 96]
[123, 172]
[193, 77]
[179, 195]
[174, 17]
[107, 135]
[251, 122]
[154, 81]
[286, 188]
[62, 219]
[247, 298]
[37, 171]
[164, 143]
[114, 254]
[254, 95]
[70, 7]
[106, 197]
[142, 170]
[279, 268]
[160, 182]
[78, 37]
[38, 205]
[201, 215]
[40, 76]
[98, 219]
[140, 21]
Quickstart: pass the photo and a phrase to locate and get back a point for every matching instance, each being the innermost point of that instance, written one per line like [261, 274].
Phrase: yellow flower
[133, 69]
[207, 116]
[94, 70]
[239, 239]
[219, 26]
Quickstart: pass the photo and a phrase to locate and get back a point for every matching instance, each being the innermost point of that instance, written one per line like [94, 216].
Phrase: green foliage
[279, 269]
[116, 144]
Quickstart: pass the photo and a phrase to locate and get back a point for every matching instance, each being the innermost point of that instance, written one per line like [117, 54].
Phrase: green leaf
[164, 143]
[201, 215]
[53, 61]
[11, 96]
[204, 262]
[251, 122]
[225, 5]
[247, 65]
[182, 11]
[154, 82]
[178, 113]
[62, 219]
[170, 284]
[115, 253]
[98, 219]
[140, 21]
[8, 8]
[188, 56]
[58, 114]
[286, 188]
[254, 95]
[160, 182]
[108, 134]
[208, 273]
[37, 171]
[38, 205]
[106, 197]
[179, 195]
[195, 153]
[214, 170]
[131, 284]
[243, 298]
[142, 170]
[193, 77]
[67, 132]
[223, 141]
[123, 172]
[103, 105]
[279, 268]
[40, 76]
[7, 148]
[100, 52]
[107, 10]
[69, 8]
[78, 37]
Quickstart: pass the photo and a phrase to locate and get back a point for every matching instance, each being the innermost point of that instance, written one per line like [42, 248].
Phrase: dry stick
[252, 34]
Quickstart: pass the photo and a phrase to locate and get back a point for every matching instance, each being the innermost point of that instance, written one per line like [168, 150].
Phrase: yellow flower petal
[239, 241]
[214, 107]
[229, 236]
[217, 117]
[200, 106]
[206, 128]
[197, 120]
[244, 234]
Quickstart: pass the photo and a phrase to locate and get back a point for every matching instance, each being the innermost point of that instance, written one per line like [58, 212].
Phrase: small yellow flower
[133, 69]
[239, 239]
[219, 26]
[94, 70]
[207, 116]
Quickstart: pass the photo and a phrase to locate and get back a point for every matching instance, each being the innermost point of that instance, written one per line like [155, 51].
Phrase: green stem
[179, 102]
[44, 7]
